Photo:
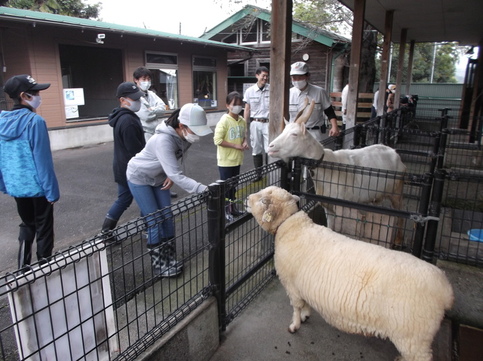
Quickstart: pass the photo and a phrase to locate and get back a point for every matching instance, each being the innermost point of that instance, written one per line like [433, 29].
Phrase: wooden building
[325, 52]
[85, 61]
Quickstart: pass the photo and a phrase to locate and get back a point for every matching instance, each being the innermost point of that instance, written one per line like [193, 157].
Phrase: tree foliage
[330, 15]
[75, 8]
[432, 62]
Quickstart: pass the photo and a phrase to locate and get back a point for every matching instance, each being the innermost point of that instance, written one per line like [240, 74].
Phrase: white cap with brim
[299, 68]
[194, 117]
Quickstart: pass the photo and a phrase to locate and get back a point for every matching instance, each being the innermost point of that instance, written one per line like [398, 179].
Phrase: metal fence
[450, 161]
[101, 300]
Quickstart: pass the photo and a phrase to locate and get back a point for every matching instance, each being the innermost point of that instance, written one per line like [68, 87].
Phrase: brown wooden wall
[35, 50]
[319, 62]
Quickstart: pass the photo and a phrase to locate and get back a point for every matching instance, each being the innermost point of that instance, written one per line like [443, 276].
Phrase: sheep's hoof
[304, 318]
[292, 329]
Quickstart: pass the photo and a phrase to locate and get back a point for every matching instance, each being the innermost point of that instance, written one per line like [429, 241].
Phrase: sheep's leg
[298, 305]
[414, 349]
[305, 313]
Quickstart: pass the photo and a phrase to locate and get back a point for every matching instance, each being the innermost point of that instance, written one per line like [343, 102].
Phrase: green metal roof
[312, 32]
[21, 15]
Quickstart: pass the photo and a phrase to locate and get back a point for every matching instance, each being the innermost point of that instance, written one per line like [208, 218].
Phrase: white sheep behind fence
[359, 186]
[357, 287]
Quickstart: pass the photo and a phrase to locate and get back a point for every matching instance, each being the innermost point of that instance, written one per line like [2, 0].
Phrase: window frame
[160, 66]
[208, 69]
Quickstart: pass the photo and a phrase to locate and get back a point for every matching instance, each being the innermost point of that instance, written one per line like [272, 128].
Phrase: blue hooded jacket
[26, 165]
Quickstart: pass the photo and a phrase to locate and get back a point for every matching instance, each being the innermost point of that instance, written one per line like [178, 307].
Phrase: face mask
[299, 84]
[145, 85]
[191, 138]
[236, 109]
[135, 105]
[34, 101]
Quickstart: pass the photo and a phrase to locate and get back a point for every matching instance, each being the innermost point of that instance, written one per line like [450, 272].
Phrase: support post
[216, 236]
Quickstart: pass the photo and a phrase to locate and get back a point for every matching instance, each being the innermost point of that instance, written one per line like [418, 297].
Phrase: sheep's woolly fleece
[356, 286]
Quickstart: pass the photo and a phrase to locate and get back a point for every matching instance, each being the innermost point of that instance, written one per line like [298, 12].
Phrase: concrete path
[87, 191]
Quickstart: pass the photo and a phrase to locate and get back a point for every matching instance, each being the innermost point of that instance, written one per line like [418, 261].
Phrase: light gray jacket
[159, 160]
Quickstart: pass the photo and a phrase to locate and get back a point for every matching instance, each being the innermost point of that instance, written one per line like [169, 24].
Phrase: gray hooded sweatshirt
[159, 160]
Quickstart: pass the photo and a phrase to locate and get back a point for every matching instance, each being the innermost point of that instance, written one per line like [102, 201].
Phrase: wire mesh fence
[101, 300]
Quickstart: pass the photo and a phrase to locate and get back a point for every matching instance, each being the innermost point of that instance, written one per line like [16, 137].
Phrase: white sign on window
[73, 96]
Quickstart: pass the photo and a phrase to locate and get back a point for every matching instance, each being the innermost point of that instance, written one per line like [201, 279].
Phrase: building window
[164, 67]
[264, 32]
[204, 81]
[94, 73]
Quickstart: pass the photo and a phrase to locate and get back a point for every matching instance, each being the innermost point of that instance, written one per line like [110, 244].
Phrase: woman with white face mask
[231, 141]
[152, 172]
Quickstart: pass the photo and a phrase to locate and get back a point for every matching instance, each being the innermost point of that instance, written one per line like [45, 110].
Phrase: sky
[195, 16]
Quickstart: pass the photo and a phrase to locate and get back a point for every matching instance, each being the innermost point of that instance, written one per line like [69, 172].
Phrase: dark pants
[38, 215]
[226, 173]
[123, 201]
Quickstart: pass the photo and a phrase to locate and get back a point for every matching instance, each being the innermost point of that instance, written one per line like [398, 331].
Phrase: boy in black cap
[26, 167]
[128, 140]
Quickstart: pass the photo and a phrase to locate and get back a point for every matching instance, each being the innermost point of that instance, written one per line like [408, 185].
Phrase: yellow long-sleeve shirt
[233, 131]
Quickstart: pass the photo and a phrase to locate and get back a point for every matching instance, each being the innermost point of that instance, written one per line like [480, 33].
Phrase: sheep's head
[271, 207]
[295, 140]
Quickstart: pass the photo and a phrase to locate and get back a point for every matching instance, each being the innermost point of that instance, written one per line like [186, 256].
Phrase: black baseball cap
[129, 90]
[22, 83]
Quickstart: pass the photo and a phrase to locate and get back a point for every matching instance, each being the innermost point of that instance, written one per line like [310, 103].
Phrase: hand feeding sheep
[357, 287]
[360, 187]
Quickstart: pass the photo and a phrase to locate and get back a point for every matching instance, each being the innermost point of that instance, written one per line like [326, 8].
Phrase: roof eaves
[239, 15]
[66, 21]
[312, 32]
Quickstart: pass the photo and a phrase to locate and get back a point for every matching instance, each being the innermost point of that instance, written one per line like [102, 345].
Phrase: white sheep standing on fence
[357, 287]
[360, 186]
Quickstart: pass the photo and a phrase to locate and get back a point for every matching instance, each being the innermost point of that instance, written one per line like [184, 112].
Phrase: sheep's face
[271, 207]
[290, 143]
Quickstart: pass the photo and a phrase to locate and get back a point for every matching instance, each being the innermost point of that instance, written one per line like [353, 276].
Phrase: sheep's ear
[285, 121]
[267, 216]
[295, 198]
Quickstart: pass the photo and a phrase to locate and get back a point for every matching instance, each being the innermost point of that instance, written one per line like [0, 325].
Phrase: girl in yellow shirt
[230, 139]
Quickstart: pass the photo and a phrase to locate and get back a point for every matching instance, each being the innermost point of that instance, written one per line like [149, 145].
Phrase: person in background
[390, 98]
[152, 106]
[343, 99]
[128, 140]
[231, 142]
[374, 104]
[257, 110]
[152, 172]
[27, 169]
[303, 90]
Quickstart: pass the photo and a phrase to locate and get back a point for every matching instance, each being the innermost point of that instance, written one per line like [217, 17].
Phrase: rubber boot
[163, 260]
[235, 212]
[228, 216]
[106, 231]
[258, 162]
[26, 239]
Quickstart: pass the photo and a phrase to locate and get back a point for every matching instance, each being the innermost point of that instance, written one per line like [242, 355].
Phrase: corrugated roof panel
[62, 20]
